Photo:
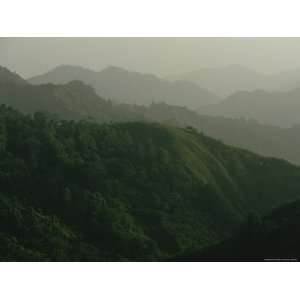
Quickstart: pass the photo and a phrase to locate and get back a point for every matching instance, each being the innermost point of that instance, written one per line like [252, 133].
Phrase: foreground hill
[131, 87]
[274, 108]
[132, 191]
[272, 238]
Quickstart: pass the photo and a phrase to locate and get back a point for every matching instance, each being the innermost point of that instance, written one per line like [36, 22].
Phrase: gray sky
[161, 56]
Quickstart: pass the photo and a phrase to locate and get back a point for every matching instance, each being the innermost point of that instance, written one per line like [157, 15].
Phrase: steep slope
[131, 87]
[132, 191]
[274, 108]
[74, 100]
[272, 238]
[7, 77]
[248, 134]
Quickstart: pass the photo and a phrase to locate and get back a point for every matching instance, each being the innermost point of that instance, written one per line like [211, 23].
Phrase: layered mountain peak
[126, 86]
[6, 76]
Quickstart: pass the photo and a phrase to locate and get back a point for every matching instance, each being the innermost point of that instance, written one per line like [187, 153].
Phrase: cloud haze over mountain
[161, 56]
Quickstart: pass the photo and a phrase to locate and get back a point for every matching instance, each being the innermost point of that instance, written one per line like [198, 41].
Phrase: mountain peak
[6, 76]
[112, 68]
[71, 67]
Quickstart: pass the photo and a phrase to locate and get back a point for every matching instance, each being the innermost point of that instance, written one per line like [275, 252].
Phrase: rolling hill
[125, 191]
[77, 101]
[248, 134]
[74, 100]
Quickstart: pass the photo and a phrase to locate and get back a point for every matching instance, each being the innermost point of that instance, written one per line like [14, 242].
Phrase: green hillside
[125, 191]
[248, 134]
[275, 237]
[75, 101]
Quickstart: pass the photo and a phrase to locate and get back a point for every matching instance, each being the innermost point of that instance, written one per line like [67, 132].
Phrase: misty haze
[149, 149]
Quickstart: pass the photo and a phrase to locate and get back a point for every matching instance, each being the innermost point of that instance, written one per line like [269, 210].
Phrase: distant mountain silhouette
[233, 78]
[275, 108]
[225, 81]
[7, 76]
[131, 87]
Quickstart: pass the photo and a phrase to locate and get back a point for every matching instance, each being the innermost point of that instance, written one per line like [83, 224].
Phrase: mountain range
[88, 179]
[76, 101]
[230, 79]
[271, 100]
[125, 86]
[273, 108]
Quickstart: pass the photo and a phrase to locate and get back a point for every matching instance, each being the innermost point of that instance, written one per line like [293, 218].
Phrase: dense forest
[274, 237]
[125, 191]
[83, 178]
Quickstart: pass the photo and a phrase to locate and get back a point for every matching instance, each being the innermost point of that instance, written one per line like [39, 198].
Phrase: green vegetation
[249, 134]
[125, 191]
[76, 101]
[273, 237]
[72, 189]
[73, 101]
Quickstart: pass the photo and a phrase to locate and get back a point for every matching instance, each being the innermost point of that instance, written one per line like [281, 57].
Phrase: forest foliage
[78, 190]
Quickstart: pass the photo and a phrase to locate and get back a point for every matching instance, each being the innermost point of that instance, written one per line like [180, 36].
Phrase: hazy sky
[161, 56]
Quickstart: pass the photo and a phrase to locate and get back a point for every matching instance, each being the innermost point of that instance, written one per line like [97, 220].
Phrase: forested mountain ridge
[248, 134]
[130, 87]
[76, 100]
[129, 191]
